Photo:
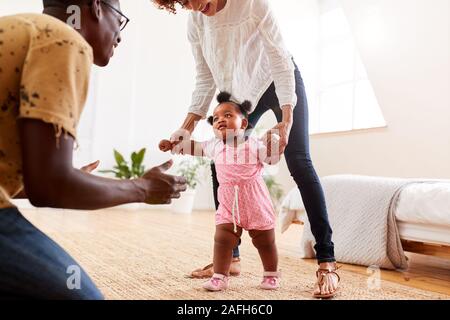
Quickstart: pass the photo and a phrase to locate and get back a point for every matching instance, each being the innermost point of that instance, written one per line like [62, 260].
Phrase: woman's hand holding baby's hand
[180, 140]
[165, 145]
[283, 130]
[174, 147]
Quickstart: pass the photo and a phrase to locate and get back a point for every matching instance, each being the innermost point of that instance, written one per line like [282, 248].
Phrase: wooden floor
[424, 272]
[427, 273]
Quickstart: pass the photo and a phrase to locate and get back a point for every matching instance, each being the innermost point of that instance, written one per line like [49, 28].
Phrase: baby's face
[228, 122]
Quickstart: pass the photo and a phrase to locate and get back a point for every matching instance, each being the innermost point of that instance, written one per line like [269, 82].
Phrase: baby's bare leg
[264, 241]
[224, 241]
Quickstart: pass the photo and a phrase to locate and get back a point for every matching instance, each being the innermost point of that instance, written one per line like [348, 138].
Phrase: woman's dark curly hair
[225, 97]
[169, 5]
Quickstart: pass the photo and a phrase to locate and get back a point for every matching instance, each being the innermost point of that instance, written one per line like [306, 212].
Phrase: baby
[245, 201]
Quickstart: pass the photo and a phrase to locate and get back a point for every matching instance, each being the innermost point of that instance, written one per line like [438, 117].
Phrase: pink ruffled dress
[243, 195]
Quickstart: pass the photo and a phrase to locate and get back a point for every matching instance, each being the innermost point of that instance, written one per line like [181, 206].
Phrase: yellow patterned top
[44, 74]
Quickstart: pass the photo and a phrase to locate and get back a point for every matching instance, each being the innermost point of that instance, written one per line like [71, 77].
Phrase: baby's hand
[165, 145]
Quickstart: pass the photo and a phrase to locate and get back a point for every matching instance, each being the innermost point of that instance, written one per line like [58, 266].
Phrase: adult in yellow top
[44, 76]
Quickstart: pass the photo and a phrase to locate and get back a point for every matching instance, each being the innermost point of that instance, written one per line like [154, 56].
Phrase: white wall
[405, 47]
[144, 93]
[142, 96]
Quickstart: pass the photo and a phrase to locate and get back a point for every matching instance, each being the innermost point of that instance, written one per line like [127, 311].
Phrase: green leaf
[275, 190]
[141, 171]
[107, 171]
[137, 169]
[133, 158]
[191, 169]
[119, 158]
[123, 170]
[140, 157]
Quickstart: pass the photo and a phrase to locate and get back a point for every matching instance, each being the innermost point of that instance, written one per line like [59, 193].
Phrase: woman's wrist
[190, 122]
[287, 114]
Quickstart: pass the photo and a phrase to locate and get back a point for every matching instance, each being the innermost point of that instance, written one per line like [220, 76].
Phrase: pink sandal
[218, 282]
[271, 281]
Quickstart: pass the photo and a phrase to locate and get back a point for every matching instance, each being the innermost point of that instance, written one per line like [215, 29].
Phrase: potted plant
[124, 170]
[191, 169]
[275, 190]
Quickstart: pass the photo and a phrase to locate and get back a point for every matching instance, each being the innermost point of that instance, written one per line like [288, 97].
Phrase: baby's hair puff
[225, 97]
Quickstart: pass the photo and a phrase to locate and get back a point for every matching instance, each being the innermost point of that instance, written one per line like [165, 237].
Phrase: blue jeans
[300, 166]
[32, 266]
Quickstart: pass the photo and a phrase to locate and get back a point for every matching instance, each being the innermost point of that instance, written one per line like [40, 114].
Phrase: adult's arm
[88, 168]
[281, 66]
[51, 180]
[205, 86]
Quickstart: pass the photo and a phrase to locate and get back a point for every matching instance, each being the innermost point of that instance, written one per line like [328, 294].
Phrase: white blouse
[240, 50]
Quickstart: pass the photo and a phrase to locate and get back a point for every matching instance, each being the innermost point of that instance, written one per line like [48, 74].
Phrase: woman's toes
[333, 286]
[329, 287]
[335, 283]
[317, 290]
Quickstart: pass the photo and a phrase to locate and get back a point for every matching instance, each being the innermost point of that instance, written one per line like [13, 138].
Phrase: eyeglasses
[124, 19]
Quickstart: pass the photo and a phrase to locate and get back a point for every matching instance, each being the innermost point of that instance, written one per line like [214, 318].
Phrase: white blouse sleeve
[205, 86]
[282, 66]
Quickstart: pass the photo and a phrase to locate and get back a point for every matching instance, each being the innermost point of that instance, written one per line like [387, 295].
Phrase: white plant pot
[22, 204]
[185, 204]
[129, 206]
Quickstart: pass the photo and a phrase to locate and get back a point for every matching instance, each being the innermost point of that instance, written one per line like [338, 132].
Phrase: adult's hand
[161, 188]
[90, 167]
[165, 145]
[282, 131]
[180, 140]
[184, 133]
[271, 140]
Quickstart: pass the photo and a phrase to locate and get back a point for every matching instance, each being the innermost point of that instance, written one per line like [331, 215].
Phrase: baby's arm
[190, 147]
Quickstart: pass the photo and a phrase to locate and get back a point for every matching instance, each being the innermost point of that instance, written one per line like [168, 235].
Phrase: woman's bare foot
[327, 280]
[208, 271]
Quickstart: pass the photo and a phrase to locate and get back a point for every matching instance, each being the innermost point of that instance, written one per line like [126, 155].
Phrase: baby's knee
[263, 239]
[226, 238]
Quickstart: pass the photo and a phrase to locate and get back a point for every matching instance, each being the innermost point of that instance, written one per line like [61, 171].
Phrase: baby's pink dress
[243, 195]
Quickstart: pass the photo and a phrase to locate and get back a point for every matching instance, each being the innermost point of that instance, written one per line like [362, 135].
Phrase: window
[345, 98]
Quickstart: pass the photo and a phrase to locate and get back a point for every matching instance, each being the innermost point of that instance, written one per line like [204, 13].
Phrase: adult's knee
[76, 286]
[301, 167]
[59, 289]
[87, 292]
